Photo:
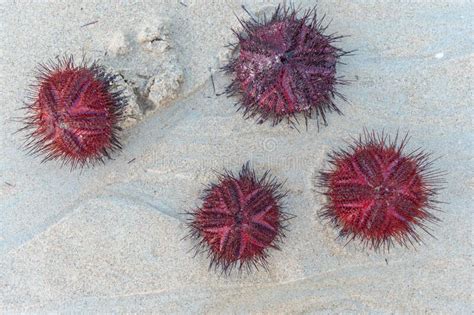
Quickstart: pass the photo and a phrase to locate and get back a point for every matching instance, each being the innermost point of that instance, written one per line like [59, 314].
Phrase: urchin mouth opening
[286, 56]
[383, 191]
[238, 218]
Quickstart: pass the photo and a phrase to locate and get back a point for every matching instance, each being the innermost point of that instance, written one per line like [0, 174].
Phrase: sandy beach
[108, 239]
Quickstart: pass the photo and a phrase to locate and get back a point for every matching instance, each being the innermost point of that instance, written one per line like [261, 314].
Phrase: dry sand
[108, 239]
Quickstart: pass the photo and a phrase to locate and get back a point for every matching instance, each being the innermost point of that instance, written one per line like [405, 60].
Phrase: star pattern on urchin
[73, 113]
[379, 194]
[241, 218]
[284, 66]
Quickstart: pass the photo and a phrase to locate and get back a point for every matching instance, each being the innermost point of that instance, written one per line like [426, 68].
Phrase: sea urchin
[379, 194]
[73, 113]
[285, 65]
[240, 219]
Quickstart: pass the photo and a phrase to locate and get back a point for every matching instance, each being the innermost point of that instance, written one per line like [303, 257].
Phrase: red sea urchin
[73, 113]
[285, 65]
[240, 219]
[379, 194]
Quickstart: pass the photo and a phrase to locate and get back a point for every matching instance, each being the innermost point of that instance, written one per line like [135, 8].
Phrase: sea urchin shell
[73, 113]
[379, 194]
[285, 65]
[240, 219]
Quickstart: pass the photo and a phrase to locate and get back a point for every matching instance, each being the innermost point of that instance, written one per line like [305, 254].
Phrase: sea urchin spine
[73, 113]
[240, 219]
[284, 66]
[379, 194]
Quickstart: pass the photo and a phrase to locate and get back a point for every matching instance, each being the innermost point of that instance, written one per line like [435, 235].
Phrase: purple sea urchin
[378, 193]
[73, 113]
[284, 66]
[240, 219]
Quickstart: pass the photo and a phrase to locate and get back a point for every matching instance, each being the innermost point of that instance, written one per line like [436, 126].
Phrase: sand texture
[108, 239]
